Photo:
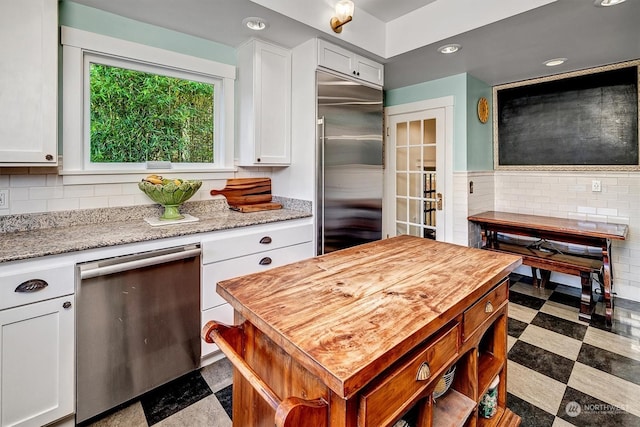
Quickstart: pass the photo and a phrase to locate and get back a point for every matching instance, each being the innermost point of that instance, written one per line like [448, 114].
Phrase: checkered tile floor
[564, 372]
[561, 371]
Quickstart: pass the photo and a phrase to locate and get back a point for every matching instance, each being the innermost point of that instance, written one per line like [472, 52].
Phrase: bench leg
[586, 299]
[545, 275]
[534, 277]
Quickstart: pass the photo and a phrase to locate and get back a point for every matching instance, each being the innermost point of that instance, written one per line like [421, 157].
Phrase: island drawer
[254, 263]
[484, 308]
[35, 283]
[386, 400]
[238, 243]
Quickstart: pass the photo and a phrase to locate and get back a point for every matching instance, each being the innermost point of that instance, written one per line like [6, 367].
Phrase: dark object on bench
[544, 258]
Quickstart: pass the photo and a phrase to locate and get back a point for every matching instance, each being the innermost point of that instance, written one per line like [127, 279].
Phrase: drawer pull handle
[66, 304]
[265, 240]
[265, 261]
[424, 372]
[32, 285]
[488, 308]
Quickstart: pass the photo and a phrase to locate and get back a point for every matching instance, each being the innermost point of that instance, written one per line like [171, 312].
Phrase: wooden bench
[578, 232]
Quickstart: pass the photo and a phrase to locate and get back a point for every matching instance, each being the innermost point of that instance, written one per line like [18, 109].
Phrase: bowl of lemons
[170, 193]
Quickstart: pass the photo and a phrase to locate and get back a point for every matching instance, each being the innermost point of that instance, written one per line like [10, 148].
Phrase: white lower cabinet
[37, 362]
[262, 248]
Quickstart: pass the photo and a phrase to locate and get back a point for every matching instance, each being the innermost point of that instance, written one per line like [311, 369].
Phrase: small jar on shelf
[489, 402]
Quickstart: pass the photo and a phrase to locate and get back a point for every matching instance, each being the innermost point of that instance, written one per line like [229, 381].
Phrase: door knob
[439, 201]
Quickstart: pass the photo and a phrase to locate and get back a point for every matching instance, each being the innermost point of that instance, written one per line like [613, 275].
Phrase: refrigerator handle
[321, 180]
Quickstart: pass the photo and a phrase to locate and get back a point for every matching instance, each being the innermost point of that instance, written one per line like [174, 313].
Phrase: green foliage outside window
[139, 117]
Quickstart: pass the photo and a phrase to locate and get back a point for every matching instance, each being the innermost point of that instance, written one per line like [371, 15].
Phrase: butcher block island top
[351, 317]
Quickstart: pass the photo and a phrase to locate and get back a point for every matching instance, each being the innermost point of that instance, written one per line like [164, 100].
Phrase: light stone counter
[36, 235]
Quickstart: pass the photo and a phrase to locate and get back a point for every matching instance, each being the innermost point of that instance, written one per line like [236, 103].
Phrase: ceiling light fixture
[555, 62]
[343, 14]
[607, 3]
[449, 48]
[255, 23]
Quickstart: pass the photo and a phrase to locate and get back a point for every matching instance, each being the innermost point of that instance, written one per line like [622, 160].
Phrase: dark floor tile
[627, 304]
[568, 290]
[612, 363]
[617, 327]
[583, 410]
[566, 299]
[542, 361]
[174, 396]
[516, 327]
[531, 415]
[526, 300]
[225, 396]
[514, 277]
[525, 279]
[561, 326]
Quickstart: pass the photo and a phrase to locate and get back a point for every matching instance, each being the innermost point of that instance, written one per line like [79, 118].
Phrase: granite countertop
[36, 235]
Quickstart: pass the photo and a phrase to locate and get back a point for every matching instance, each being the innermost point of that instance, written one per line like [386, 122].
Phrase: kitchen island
[360, 336]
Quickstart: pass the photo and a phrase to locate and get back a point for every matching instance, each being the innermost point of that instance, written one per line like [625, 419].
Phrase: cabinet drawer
[484, 308]
[223, 314]
[213, 273]
[389, 398]
[244, 243]
[42, 282]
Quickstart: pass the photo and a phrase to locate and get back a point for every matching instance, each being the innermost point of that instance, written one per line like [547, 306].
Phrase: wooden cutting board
[246, 191]
[256, 207]
[248, 194]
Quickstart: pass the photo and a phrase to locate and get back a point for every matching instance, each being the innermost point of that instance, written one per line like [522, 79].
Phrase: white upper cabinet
[28, 82]
[339, 59]
[264, 83]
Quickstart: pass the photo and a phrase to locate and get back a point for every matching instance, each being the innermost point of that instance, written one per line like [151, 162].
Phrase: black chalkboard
[585, 120]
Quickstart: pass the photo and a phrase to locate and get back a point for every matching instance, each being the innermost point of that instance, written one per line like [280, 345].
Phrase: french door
[416, 174]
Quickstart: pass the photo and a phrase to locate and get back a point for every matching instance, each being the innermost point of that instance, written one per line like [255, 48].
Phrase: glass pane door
[418, 205]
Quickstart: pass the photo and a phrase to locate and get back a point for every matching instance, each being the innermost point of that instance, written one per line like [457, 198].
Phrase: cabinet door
[273, 100]
[264, 83]
[37, 363]
[369, 71]
[28, 82]
[336, 58]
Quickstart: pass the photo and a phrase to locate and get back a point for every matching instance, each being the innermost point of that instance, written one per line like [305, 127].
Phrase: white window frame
[79, 48]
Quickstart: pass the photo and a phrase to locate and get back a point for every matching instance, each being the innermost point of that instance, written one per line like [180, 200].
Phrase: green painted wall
[479, 135]
[472, 140]
[108, 24]
[455, 86]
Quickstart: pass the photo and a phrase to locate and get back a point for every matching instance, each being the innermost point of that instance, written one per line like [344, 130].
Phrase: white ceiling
[503, 41]
[388, 10]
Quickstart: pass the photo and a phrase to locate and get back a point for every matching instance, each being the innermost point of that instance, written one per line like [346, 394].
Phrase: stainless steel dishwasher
[137, 325]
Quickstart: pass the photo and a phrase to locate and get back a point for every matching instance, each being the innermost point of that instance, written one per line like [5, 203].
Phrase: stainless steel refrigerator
[350, 163]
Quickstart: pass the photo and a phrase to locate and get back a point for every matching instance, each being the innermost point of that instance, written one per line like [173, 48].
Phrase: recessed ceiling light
[449, 48]
[255, 23]
[606, 3]
[554, 62]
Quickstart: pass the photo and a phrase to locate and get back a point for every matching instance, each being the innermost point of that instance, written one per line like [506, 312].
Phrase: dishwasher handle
[138, 263]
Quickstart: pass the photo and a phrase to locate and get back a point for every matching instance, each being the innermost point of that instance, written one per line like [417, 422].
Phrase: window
[128, 108]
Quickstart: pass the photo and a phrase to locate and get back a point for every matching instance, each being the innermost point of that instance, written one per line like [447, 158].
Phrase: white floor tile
[627, 347]
[537, 389]
[552, 341]
[608, 388]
